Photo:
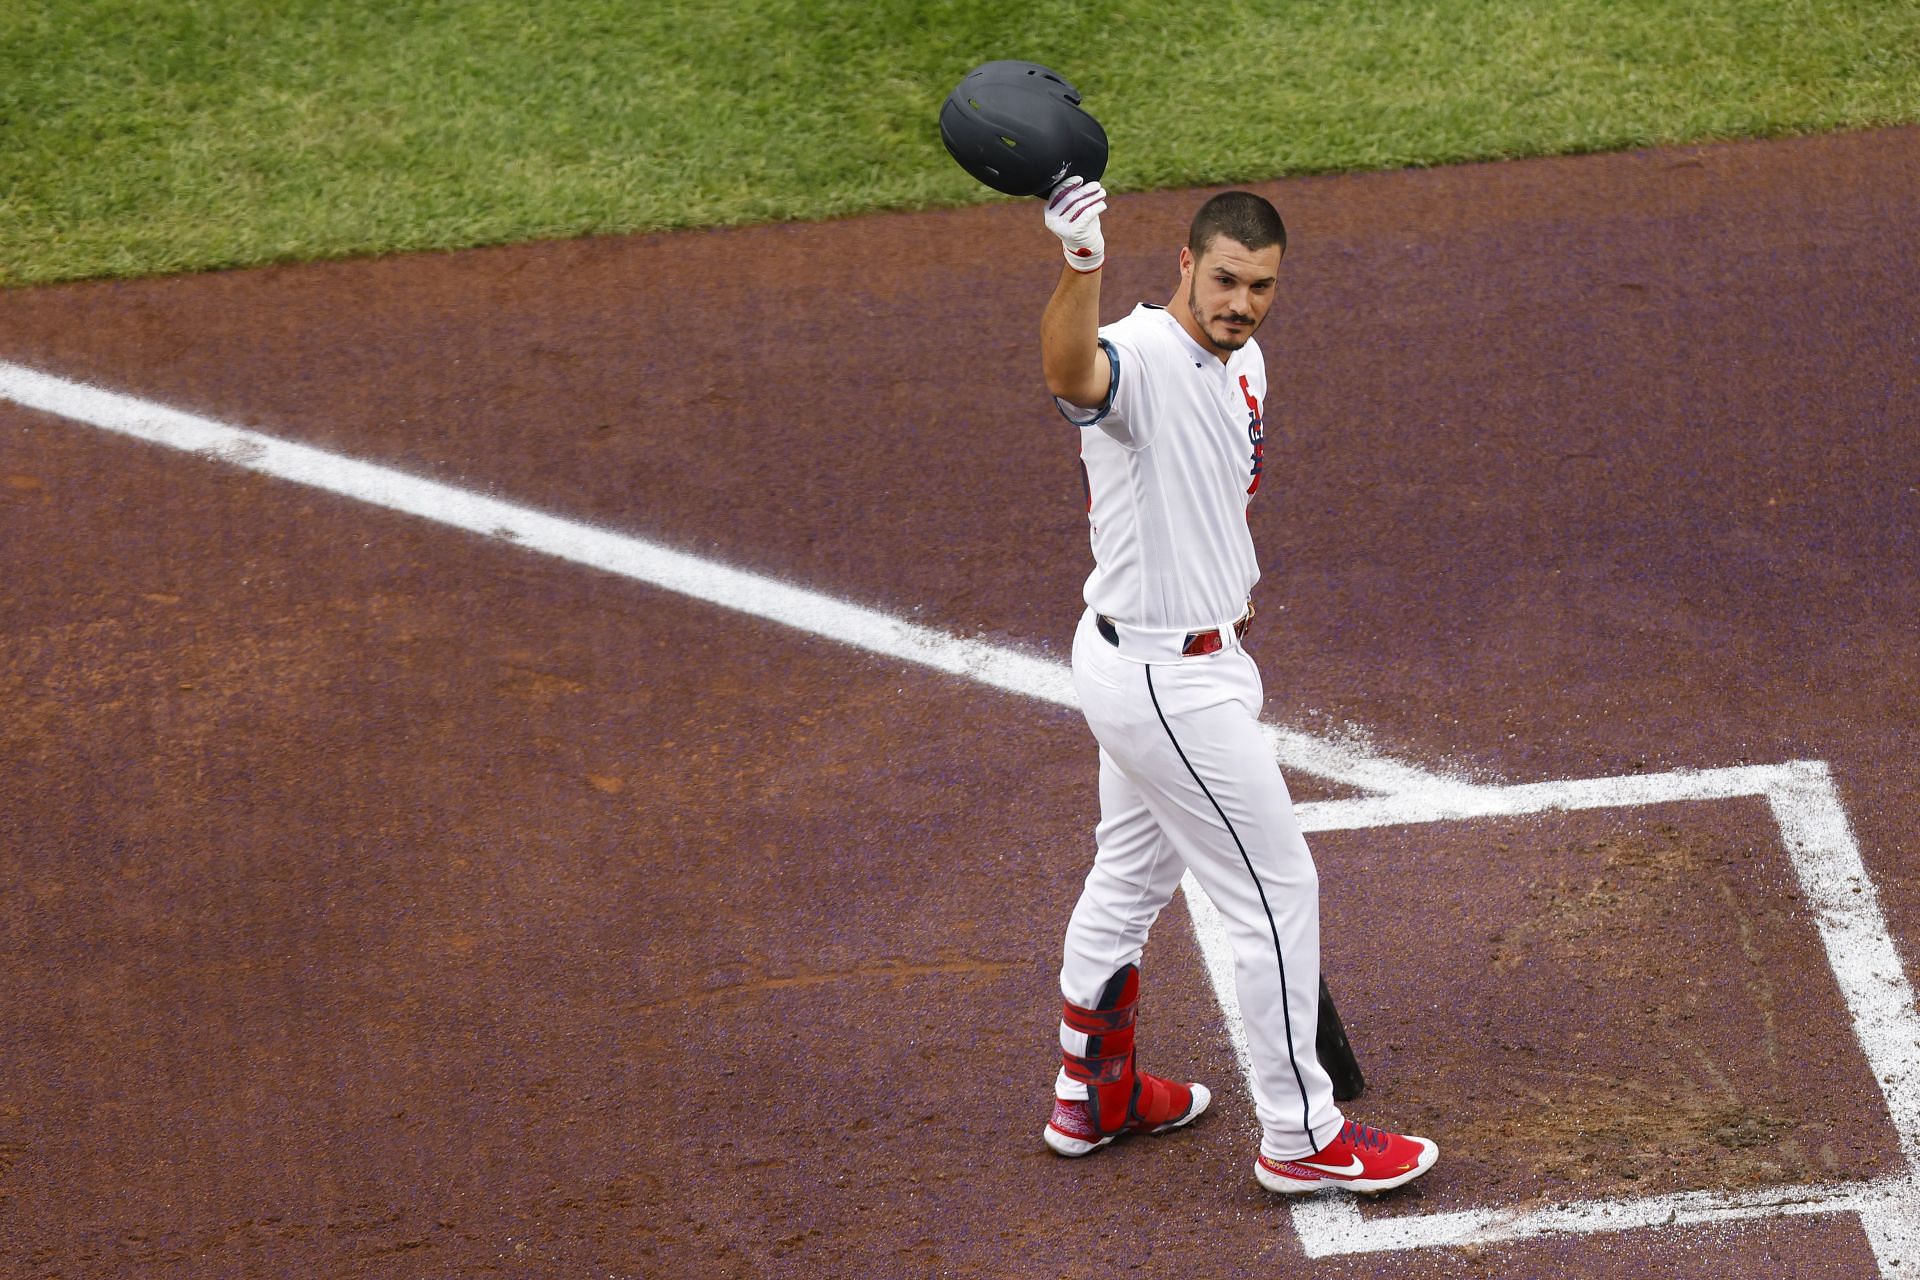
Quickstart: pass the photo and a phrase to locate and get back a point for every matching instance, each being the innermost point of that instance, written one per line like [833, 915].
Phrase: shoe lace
[1360, 1135]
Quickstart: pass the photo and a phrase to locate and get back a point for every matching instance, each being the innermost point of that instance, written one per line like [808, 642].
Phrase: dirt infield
[389, 901]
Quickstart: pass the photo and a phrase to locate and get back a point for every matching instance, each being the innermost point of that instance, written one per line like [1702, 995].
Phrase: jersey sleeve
[1080, 415]
[1116, 414]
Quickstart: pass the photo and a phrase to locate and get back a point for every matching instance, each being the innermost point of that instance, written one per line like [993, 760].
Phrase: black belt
[1197, 643]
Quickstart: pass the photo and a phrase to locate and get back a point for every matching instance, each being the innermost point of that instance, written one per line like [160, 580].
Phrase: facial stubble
[1228, 343]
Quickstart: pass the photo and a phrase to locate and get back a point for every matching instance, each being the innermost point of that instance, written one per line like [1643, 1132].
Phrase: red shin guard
[1120, 1098]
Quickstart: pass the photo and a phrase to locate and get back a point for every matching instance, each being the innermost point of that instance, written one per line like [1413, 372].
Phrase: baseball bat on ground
[1336, 1054]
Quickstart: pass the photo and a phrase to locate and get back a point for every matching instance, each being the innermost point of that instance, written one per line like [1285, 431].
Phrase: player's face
[1229, 291]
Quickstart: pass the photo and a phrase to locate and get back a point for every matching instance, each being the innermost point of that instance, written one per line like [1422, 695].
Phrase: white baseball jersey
[1171, 462]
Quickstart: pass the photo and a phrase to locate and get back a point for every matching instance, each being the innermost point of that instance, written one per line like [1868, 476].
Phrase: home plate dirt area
[604, 805]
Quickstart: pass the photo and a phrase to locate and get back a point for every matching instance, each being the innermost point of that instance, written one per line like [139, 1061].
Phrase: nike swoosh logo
[1353, 1170]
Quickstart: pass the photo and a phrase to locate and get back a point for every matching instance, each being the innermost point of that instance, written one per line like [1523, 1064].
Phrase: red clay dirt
[384, 901]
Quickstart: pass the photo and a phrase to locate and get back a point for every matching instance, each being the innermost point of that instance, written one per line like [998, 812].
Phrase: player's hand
[1073, 214]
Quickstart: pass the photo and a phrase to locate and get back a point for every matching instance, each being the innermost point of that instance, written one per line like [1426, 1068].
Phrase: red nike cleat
[1361, 1159]
[1072, 1131]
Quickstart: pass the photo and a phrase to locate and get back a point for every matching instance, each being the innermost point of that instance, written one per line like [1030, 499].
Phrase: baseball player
[1169, 402]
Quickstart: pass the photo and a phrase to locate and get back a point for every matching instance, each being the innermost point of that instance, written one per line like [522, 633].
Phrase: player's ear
[1186, 262]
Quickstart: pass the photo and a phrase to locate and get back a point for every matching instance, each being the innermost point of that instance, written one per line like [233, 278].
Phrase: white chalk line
[1338, 1226]
[1802, 797]
[1845, 904]
[642, 561]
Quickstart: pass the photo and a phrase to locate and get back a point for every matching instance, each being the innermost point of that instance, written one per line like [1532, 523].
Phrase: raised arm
[1076, 368]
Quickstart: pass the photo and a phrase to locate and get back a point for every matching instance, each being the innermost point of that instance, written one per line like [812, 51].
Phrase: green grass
[144, 136]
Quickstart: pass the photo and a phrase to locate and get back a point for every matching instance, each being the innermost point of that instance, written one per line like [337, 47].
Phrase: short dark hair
[1237, 215]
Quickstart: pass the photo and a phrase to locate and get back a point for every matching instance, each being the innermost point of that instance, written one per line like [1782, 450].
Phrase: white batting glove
[1073, 214]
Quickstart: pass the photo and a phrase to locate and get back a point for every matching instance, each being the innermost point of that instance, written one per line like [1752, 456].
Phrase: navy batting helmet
[1019, 128]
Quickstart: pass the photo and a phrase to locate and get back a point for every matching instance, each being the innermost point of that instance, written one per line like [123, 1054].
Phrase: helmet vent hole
[974, 103]
[1009, 141]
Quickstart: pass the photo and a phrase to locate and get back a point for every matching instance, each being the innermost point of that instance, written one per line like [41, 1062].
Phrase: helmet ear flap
[1019, 128]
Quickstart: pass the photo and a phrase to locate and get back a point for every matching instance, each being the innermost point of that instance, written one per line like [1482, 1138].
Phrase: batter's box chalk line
[1801, 795]
[1845, 904]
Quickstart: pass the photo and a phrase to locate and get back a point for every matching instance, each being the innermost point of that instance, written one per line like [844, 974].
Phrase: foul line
[1802, 797]
[643, 561]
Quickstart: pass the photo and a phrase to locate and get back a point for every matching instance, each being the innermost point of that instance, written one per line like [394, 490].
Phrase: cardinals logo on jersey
[1256, 435]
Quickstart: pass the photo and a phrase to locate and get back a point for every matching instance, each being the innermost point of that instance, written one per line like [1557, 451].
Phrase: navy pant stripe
[1279, 958]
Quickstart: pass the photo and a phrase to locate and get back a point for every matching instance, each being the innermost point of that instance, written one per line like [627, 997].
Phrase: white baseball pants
[1187, 780]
